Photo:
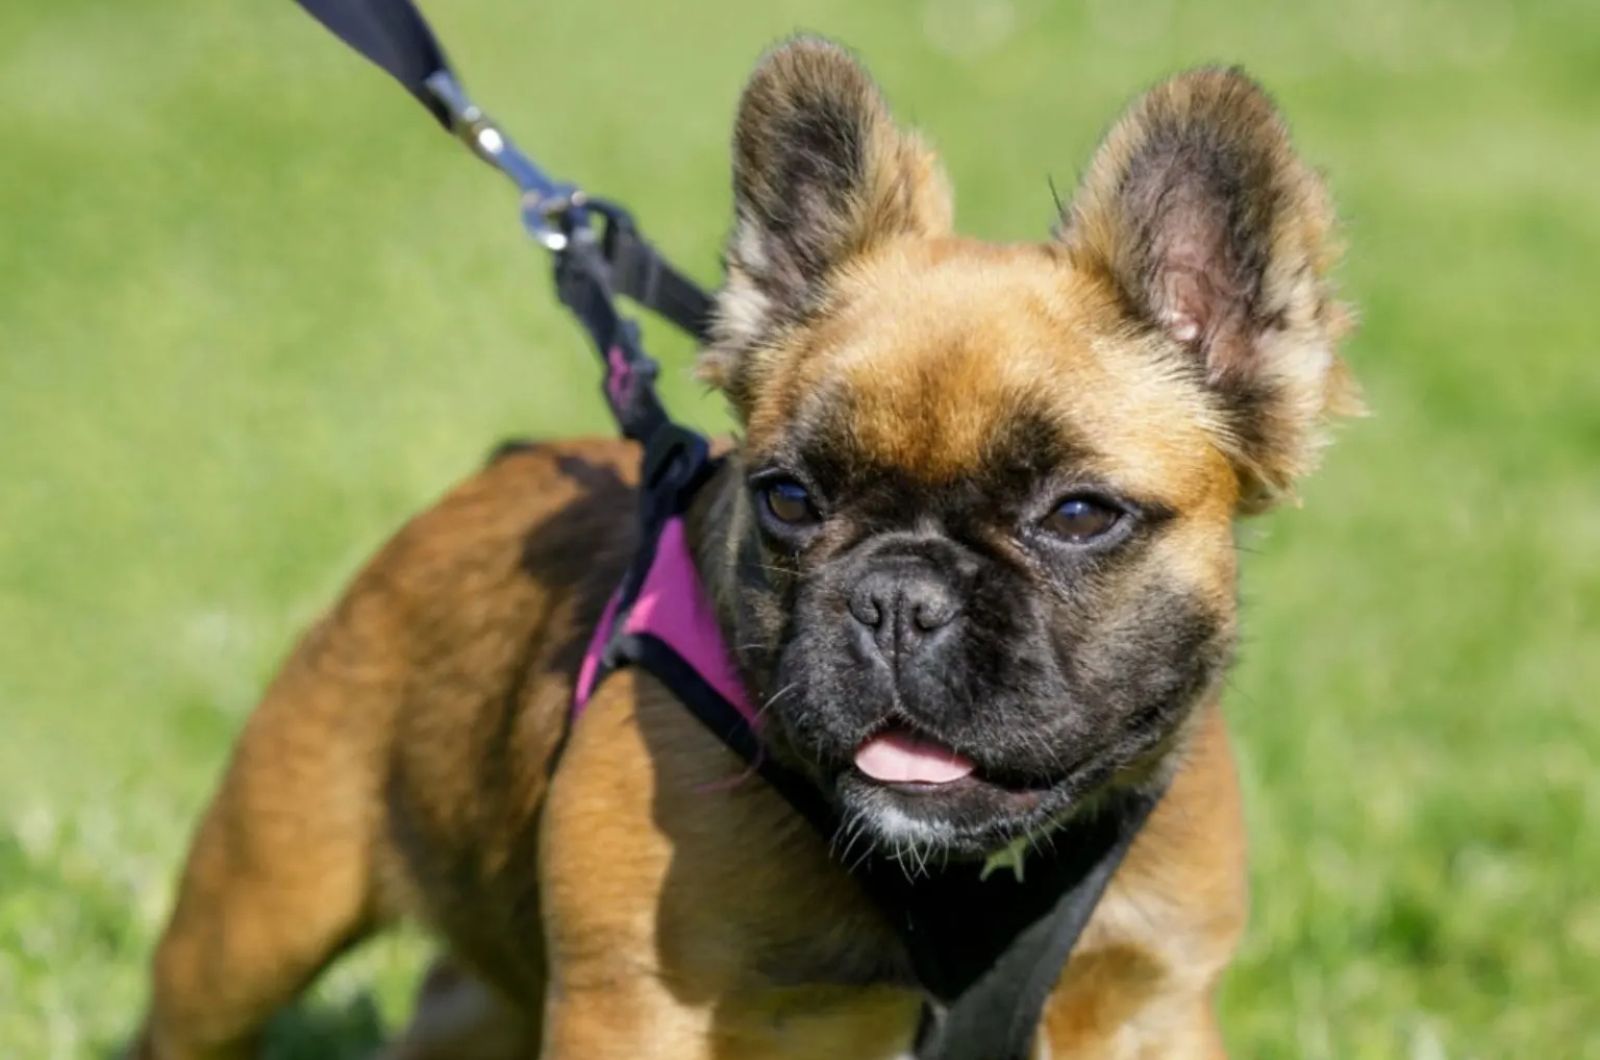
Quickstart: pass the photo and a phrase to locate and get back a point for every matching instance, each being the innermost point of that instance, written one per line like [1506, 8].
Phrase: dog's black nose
[902, 610]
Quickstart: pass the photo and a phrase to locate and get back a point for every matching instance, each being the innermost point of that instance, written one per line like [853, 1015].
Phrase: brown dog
[1045, 446]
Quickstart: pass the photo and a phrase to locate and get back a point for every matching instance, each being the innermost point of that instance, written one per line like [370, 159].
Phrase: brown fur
[634, 891]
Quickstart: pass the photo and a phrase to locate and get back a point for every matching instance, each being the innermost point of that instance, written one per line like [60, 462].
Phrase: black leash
[988, 952]
[592, 267]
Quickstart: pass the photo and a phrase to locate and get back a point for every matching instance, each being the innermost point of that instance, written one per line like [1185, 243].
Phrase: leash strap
[395, 38]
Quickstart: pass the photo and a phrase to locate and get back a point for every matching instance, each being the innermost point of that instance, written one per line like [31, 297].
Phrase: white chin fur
[897, 828]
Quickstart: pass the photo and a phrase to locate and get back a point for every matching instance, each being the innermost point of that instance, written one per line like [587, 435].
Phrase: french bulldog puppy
[972, 553]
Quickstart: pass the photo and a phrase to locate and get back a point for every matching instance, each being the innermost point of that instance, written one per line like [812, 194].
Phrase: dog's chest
[843, 954]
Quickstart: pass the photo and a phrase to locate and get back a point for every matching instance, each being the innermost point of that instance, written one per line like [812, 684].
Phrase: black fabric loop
[640, 272]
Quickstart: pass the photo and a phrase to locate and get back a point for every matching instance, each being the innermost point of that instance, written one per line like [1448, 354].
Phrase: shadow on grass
[320, 1030]
[314, 1030]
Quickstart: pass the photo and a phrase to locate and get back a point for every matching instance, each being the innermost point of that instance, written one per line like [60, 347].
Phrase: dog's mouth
[912, 763]
[910, 787]
[900, 755]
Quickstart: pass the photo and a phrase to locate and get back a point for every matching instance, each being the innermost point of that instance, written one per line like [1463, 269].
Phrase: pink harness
[672, 607]
[661, 619]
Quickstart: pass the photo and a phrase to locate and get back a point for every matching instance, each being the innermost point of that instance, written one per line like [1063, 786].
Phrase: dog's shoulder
[537, 518]
[1151, 955]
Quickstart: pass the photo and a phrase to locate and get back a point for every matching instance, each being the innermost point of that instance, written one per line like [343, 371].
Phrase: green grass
[254, 311]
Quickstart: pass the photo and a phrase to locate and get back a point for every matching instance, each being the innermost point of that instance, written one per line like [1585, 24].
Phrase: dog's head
[982, 560]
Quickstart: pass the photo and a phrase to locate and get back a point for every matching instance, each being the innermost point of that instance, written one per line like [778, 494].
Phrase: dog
[972, 551]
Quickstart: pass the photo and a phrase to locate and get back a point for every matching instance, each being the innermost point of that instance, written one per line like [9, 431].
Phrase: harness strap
[997, 1016]
[590, 273]
[583, 284]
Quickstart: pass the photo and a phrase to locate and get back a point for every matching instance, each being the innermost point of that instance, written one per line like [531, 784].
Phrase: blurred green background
[254, 311]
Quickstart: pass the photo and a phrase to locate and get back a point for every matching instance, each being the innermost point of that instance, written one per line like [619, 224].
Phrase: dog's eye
[1080, 520]
[789, 502]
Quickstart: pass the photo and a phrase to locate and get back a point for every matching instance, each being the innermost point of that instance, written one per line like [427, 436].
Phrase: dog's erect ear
[821, 175]
[1212, 232]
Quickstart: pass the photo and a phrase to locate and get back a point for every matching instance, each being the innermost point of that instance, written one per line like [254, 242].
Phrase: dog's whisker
[771, 701]
[768, 568]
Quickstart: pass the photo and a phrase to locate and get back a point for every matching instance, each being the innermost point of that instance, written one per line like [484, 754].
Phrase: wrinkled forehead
[979, 362]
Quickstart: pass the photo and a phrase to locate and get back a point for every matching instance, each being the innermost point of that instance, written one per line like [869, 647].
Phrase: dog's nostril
[868, 609]
[929, 615]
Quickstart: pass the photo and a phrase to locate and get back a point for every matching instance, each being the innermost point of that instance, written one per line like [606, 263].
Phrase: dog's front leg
[610, 856]
[623, 1022]
[689, 913]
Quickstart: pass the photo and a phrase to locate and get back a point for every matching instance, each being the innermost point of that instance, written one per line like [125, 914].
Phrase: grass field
[254, 311]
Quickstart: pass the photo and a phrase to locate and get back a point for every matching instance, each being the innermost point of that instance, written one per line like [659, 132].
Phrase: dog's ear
[1213, 234]
[821, 175]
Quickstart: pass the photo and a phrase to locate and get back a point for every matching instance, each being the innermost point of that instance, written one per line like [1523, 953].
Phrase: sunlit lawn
[254, 310]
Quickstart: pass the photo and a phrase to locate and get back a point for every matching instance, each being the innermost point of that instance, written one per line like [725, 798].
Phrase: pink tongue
[896, 756]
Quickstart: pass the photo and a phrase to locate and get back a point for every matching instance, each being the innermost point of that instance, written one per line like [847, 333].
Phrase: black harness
[985, 948]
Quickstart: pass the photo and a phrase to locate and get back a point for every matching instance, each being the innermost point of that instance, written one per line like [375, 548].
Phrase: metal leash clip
[547, 205]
